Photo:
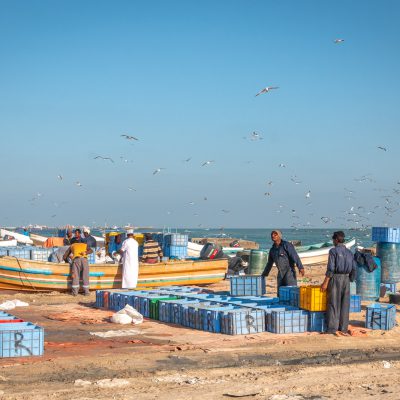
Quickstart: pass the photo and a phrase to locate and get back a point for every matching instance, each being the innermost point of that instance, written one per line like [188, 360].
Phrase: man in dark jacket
[285, 257]
[340, 271]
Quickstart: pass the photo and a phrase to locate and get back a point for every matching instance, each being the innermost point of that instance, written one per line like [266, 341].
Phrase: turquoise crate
[292, 321]
[176, 239]
[247, 285]
[21, 339]
[381, 316]
[175, 252]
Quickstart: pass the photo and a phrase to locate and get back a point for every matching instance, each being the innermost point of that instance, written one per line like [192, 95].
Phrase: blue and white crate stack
[175, 245]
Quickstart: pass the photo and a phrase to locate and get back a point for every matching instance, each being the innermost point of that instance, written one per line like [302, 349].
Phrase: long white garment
[130, 263]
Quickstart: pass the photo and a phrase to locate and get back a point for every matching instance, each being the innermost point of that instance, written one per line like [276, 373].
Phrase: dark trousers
[286, 278]
[338, 307]
[80, 266]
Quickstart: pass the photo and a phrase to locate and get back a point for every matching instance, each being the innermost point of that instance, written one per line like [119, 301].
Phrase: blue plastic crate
[176, 239]
[38, 254]
[242, 321]
[285, 295]
[99, 298]
[20, 252]
[355, 303]
[211, 317]
[176, 311]
[316, 321]
[21, 340]
[385, 234]
[390, 288]
[293, 321]
[381, 316]
[175, 252]
[247, 285]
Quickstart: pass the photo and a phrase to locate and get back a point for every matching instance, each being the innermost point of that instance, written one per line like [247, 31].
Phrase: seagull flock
[357, 215]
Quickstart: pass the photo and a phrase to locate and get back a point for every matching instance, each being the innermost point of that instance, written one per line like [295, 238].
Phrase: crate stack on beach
[388, 251]
[19, 338]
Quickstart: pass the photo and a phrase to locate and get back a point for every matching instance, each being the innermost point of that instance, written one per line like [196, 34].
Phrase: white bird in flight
[206, 163]
[77, 183]
[282, 165]
[132, 189]
[266, 90]
[128, 137]
[308, 194]
[225, 211]
[60, 177]
[337, 41]
[157, 170]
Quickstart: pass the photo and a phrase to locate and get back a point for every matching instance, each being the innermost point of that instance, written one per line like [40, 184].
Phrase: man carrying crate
[340, 271]
[285, 257]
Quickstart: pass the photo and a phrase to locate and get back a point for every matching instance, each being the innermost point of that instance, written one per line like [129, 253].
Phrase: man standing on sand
[78, 252]
[130, 261]
[285, 257]
[340, 271]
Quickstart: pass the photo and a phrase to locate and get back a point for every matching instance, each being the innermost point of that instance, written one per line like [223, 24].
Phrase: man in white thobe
[130, 261]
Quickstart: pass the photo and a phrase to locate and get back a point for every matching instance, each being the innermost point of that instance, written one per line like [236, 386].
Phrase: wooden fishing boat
[27, 275]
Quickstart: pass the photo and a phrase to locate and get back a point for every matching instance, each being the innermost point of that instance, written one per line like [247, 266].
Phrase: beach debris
[386, 364]
[158, 170]
[128, 315]
[110, 334]
[337, 41]
[112, 383]
[207, 163]
[11, 304]
[266, 90]
[128, 137]
[103, 158]
[82, 383]
[241, 394]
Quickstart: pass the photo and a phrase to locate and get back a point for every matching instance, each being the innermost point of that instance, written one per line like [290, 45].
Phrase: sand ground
[161, 361]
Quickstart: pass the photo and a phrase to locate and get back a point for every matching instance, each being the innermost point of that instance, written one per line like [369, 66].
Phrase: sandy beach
[161, 361]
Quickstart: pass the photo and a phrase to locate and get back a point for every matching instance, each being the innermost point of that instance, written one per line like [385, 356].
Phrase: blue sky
[182, 77]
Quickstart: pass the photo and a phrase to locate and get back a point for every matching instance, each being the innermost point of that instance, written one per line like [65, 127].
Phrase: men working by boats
[152, 252]
[77, 237]
[88, 238]
[285, 257]
[130, 261]
[78, 252]
[340, 271]
[68, 238]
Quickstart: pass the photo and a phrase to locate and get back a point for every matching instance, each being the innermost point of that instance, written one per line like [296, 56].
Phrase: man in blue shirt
[285, 257]
[340, 271]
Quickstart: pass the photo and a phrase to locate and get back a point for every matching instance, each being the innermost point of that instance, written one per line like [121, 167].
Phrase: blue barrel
[369, 283]
[389, 253]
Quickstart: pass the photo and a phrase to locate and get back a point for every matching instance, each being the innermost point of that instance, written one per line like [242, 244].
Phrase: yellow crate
[312, 299]
[139, 237]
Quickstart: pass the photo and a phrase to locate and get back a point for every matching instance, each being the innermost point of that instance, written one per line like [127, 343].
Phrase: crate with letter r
[242, 321]
[21, 339]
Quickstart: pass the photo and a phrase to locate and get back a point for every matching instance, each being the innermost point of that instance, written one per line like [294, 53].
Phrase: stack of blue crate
[175, 245]
[355, 303]
[247, 285]
[386, 234]
[381, 316]
[389, 288]
[39, 254]
[286, 296]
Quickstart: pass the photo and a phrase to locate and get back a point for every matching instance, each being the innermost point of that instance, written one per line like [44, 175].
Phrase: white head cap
[86, 229]
[129, 232]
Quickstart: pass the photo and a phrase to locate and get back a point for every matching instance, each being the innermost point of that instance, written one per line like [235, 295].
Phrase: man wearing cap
[340, 271]
[285, 257]
[88, 238]
[130, 261]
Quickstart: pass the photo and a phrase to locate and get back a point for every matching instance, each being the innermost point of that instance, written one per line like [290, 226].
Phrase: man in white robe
[130, 261]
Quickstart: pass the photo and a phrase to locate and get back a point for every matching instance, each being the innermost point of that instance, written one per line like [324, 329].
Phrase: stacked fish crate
[19, 338]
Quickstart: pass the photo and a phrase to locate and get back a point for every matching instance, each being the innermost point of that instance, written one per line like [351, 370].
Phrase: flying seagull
[308, 194]
[326, 219]
[128, 137]
[337, 41]
[282, 165]
[60, 177]
[266, 90]
[293, 179]
[225, 211]
[157, 170]
[187, 160]
[206, 163]
[255, 136]
[103, 158]
[77, 183]
[382, 148]
[267, 194]
[132, 189]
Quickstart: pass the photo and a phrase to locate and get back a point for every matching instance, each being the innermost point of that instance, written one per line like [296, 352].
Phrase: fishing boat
[28, 275]
[8, 243]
